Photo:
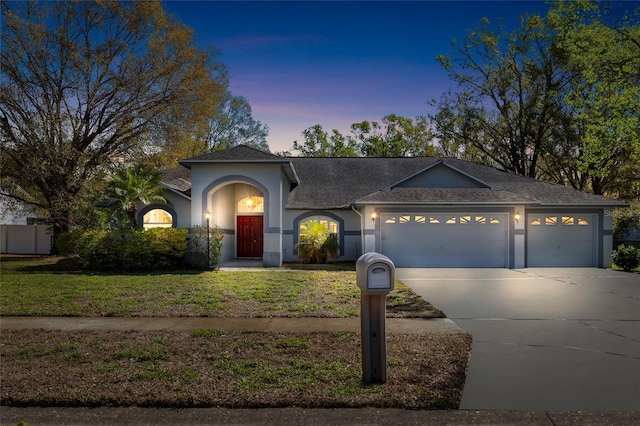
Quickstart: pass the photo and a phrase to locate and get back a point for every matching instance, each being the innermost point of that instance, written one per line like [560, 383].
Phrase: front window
[318, 239]
[157, 218]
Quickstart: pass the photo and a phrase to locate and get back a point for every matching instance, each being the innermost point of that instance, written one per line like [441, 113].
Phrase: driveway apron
[543, 338]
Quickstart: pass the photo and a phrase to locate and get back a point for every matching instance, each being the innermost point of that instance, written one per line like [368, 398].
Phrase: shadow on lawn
[72, 265]
[336, 266]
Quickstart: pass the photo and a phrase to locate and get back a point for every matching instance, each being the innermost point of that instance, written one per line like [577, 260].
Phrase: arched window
[157, 218]
[333, 222]
[332, 225]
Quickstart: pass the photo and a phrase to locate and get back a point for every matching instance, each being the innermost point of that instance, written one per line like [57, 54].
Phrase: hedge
[131, 250]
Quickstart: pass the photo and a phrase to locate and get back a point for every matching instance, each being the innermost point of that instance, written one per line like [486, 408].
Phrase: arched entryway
[238, 207]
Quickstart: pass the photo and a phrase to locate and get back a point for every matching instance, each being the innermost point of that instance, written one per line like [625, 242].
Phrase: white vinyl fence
[25, 239]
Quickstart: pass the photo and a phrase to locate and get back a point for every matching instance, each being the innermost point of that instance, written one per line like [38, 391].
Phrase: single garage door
[446, 240]
[561, 240]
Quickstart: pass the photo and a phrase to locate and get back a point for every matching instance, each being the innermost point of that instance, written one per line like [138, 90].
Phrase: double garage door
[444, 240]
[481, 240]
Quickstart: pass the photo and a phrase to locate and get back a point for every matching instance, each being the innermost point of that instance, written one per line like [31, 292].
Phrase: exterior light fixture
[250, 200]
[373, 216]
[517, 216]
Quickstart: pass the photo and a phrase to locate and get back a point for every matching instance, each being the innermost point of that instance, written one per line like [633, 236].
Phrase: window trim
[303, 218]
[166, 207]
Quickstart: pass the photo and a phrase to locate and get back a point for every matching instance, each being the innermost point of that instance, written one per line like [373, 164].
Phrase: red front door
[250, 235]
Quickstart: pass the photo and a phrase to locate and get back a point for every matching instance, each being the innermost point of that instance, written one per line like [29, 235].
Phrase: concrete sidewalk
[398, 325]
[103, 416]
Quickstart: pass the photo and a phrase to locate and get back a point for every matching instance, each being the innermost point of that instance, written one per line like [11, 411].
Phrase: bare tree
[84, 83]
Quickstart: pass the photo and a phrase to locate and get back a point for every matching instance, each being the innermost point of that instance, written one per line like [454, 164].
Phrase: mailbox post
[375, 275]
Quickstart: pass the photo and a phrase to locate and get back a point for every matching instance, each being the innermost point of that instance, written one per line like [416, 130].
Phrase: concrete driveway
[543, 338]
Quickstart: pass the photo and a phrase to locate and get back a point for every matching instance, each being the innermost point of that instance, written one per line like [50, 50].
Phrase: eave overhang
[287, 165]
[175, 191]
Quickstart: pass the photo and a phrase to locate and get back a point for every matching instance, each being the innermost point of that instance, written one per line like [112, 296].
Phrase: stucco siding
[182, 207]
[350, 237]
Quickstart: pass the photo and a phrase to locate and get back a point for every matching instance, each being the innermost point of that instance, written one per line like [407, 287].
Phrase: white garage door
[446, 240]
[561, 240]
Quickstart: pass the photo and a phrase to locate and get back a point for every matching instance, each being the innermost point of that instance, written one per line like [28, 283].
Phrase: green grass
[235, 369]
[32, 286]
[213, 367]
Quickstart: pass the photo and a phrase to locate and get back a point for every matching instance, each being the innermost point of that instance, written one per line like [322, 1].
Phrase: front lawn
[213, 368]
[41, 287]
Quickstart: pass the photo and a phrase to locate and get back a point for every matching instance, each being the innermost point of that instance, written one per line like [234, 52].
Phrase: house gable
[440, 175]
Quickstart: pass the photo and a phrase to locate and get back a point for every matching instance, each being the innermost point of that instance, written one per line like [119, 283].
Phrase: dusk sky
[335, 63]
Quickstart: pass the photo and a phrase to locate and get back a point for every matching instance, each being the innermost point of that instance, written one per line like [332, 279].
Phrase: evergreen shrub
[627, 257]
[128, 250]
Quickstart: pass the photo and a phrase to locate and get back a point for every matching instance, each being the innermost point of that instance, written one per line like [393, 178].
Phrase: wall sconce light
[373, 216]
[517, 216]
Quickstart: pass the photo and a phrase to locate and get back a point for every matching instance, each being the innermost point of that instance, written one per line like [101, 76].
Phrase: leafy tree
[318, 143]
[626, 220]
[234, 125]
[183, 131]
[511, 86]
[84, 83]
[455, 126]
[601, 52]
[557, 98]
[129, 186]
[397, 137]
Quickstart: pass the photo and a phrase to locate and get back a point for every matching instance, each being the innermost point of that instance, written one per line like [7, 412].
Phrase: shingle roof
[178, 179]
[334, 183]
[237, 153]
[444, 195]
[338, 182]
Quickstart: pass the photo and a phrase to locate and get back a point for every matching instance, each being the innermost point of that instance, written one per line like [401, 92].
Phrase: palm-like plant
[316, 243]
[130, 185]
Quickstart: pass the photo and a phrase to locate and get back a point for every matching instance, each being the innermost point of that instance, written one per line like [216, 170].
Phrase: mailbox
[375, 273]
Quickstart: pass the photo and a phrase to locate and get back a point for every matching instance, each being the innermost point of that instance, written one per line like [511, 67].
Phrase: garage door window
[443, 220]
[560, 220]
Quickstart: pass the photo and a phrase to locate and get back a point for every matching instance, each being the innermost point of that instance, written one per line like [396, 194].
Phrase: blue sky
[334, 63]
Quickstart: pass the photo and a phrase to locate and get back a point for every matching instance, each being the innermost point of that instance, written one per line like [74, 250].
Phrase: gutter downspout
[353, 207]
